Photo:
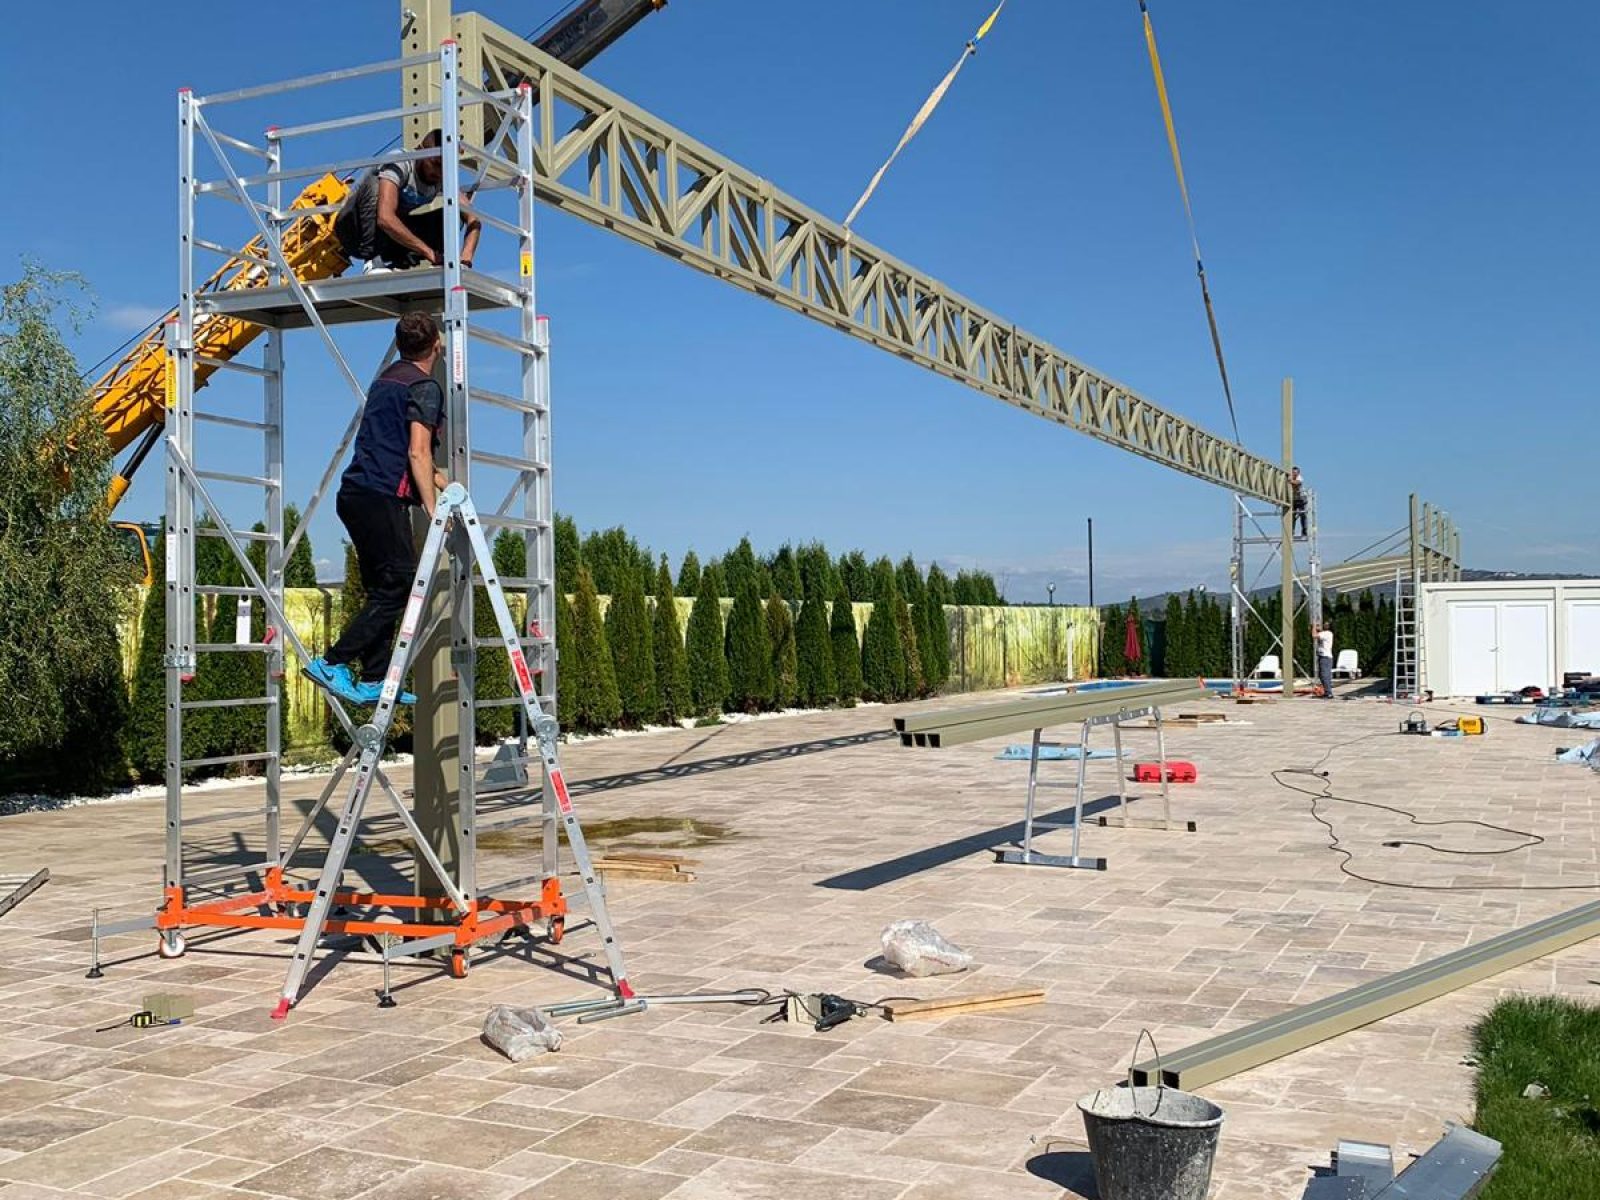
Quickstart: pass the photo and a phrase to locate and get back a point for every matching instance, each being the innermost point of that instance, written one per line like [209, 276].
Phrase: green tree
[708, 665]
[740, 566]
[846, 645]
[63, 576]
[785, 653]
[1173, 663]
[144, 737]
[566, 661]
[719, 583]
[749, 651]
[857, 576]
[784, 568]
[227, 675]
[914, 591]
[510, 554]
[301, 569]
[976, 588]
[671, 659]
[816, 679]
[934, 631]
[883, 654]
[592, 678]
[610, 554]
[628, 632]
[492, 675]
[906, 622]
[817, 574]
[939, 586]
[569, 554]
[689, 575]
[1113, 632]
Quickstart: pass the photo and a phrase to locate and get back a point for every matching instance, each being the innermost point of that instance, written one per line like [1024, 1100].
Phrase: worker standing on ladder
[391, 471]
[379, 222]
[1297, 486]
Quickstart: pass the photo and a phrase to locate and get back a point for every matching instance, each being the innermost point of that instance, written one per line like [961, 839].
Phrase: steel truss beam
[615, 165]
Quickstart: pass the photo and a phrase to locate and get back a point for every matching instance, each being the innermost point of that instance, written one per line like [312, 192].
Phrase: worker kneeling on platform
[380, 222]
[391, 471]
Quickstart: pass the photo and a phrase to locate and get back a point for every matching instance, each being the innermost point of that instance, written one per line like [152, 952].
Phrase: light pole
[1051, 588]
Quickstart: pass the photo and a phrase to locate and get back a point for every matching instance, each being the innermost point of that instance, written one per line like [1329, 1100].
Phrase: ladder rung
[244, 535]
[526, 639]
[513, 522]
[502, 702]
[504, 342]
[213, 589]
[227, 816]
[242, 702]
[523, 582]
[502, 400]
[490, 459]
[235, 422]
[230, 477]
[236, 647]
[211, 874]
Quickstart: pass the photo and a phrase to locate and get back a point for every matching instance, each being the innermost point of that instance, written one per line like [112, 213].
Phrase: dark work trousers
[427, 226]
[380, 530]
[1300, 518]
[1325, 674]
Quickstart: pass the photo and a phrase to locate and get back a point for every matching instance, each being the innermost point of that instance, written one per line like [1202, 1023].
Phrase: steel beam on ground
[958, 727]
[1262, 1041]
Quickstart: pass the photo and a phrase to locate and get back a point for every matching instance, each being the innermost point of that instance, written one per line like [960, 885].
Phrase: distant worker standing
[391, 471]
[1324, 641]
[379, 222]
[1297, 486]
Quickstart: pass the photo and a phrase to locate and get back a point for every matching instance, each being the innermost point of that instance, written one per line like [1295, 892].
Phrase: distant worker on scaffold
[391, 471]
[379, 222]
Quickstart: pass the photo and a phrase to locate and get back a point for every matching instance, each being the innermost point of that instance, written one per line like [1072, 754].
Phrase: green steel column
[435, 722]
[1287, 548]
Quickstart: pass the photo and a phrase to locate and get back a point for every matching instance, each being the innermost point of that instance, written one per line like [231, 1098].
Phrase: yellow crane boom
[130, 399]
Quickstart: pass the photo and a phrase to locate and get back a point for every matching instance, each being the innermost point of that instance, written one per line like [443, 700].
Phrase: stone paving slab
[1186, 935]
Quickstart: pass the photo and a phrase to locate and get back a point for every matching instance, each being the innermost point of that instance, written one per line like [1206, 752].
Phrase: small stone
[1536, 1091]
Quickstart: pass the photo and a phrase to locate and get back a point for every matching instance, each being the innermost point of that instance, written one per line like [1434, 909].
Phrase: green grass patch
[1552, 1146]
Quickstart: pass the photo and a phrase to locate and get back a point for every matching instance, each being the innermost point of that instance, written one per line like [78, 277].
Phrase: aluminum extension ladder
[455, 512]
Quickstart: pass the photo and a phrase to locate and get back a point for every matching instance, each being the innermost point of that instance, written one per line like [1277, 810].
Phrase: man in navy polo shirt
[391, 471]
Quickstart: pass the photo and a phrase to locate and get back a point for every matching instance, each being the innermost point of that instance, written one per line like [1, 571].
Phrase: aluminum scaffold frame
[1241, 610]
[256, 892]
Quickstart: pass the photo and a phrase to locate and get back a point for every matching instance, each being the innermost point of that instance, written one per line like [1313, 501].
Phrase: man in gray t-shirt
[379, 221]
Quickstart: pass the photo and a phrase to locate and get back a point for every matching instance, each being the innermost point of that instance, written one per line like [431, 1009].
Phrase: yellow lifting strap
[926, 111]
[1188, 209]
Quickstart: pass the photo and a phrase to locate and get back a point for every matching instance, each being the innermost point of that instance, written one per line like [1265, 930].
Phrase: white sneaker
[374, 267]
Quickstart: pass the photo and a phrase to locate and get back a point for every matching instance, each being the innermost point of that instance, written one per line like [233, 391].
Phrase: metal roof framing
[1240, 1049]
[617, 166]
[957, 726]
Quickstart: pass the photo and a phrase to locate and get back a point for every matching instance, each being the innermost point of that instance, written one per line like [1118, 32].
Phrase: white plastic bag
[520, 1033]
[917, 948]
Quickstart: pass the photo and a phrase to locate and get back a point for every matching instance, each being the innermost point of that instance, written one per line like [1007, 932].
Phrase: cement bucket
[1151, 1143]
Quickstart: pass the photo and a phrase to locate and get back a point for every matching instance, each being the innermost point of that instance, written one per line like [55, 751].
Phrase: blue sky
[1396, 204]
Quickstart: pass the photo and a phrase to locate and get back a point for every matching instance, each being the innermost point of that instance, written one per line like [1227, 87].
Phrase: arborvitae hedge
[905, 620]
[510, 554]
[493, 678]
[934, 640]
[628, 632]
[708, 665]
[718, 582]
[1113, 635]
[596, 704]
[740, 566]
[856, 575]
[785, 572]
[818, 577]
[689, 575]
[675, 699]
[883, 656]
[815, 676]
[749, 650]
[566, 660]
[144, 735]
[569, 554]
[785, 654]
[846, 646]
[227, 675]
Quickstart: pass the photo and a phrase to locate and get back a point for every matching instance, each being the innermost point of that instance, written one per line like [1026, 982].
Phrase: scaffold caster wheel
[171, 944]
[458, 964]
[557, 930]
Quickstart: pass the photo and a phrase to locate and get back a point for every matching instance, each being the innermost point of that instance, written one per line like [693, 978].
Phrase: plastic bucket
[1151, 1143]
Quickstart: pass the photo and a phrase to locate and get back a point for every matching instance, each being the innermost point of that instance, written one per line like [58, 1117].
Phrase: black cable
[1326, 792]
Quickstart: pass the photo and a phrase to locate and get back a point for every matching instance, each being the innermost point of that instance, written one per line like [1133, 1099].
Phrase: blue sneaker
[334, 677]
[370, 691]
